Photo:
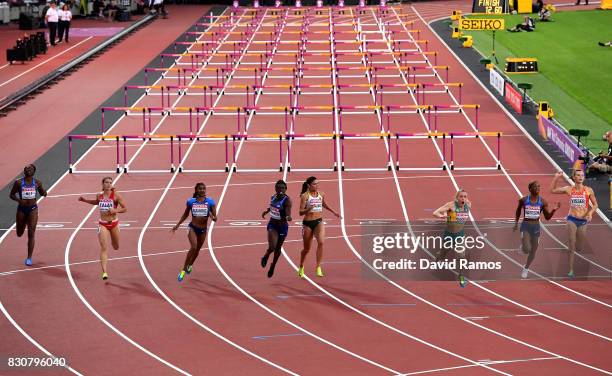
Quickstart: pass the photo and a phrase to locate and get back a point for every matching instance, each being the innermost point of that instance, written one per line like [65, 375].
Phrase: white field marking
[456, 186]
[232, 246]
[481, 362]
[44, 62]
[501, 316]
[293, 182]
[4, 311]
[210, 228]
[548, 157]
[417, 296]
[73, 283]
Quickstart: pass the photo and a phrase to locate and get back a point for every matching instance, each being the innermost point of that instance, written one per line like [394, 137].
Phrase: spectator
[65, 16]
[527, 25]
[98, 6]
[544, 14]
[539, 5]
[51, 18]
[603, 162]
[110, 10]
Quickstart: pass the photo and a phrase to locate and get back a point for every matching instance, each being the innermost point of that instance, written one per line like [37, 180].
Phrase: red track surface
[18, 75]
[65, 105]
[341, 324]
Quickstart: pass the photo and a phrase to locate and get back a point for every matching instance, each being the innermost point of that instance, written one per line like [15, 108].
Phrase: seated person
[98, 6]
[603, 162]
[527, 25]
[544, 14]
[110, 10]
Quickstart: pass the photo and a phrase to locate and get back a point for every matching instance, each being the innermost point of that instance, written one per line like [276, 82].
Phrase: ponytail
[307, 183]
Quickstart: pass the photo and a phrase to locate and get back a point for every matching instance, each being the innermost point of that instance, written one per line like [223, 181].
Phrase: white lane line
[44, 62]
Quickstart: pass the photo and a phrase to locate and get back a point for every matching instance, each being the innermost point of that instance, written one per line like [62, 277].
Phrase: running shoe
[28, 262]
[264, 260]
[181, 276]
[524, 273]
[320, 272]
[270, 272]
[462, 281]
[104, 276]
[570, 274]
[301, 272]
[189, 269]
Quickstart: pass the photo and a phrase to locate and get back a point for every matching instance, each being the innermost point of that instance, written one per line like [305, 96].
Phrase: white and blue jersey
[278, 216]
[277, 208]
[200, 208]
[27, 191]
[531, 214]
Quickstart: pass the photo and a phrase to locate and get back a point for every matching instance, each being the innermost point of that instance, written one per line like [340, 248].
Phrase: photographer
[603, 162]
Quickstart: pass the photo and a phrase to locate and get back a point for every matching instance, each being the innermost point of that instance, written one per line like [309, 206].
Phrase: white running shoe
[524, 273]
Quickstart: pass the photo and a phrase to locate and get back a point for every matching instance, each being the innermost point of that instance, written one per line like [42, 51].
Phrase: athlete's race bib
[28, 193]
[532, 212]
[199, 209]
[578, 201]
[275, 212]
[463, 217]
[105, 205]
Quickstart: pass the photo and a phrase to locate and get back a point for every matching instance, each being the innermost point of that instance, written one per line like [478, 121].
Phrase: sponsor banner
[490, 6]
[481, 24]
[497, 81]
[514, 98]
[565, 144]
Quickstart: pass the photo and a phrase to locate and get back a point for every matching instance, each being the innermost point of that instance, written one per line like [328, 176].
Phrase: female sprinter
[278, 226]
[579, 211]
[456, 212]
[110, 203]
[24, 192]
[532, 206]
[201, 207]
[312, 203]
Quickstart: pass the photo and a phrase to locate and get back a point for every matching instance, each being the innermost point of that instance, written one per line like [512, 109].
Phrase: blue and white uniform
[27, 192]
[531, 216]
[278, 216]
[200, 209]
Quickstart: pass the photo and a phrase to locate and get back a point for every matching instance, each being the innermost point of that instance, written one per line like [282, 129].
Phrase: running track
[227, 317]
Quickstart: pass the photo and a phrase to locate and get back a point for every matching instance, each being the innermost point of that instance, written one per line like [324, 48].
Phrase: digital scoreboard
[521, 65]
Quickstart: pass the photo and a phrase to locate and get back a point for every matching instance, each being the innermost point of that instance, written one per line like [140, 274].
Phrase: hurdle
[446, 87]
[146, 88]
[71, 138]
[294, 137]
[451, 136]
[365, 136]
[453, 109]
[402, 109]
[180, 138]
[119, 166]
[164, 71]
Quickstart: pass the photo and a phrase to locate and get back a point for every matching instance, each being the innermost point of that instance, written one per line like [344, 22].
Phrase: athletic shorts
[532, 228]
[109, 224]
[281, 228]
[26, 210]
[577, 221]
[312, 224]
[199, 231]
